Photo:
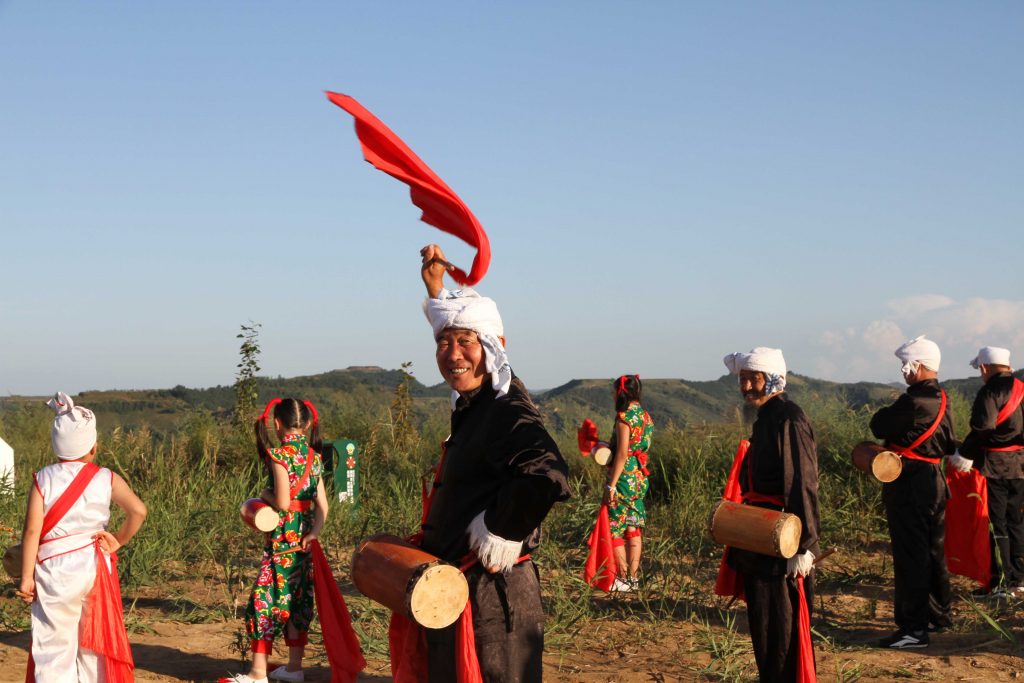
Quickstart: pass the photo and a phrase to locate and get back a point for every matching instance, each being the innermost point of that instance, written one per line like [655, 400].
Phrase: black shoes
[905, 640]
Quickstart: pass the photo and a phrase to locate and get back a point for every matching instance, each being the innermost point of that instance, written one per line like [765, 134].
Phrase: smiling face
[752, 383]
[460, 358]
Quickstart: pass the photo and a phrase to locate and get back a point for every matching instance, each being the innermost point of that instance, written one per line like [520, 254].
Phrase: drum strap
[70, 496]
[909, 452]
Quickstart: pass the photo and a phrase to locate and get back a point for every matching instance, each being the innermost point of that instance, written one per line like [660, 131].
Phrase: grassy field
[195, 560]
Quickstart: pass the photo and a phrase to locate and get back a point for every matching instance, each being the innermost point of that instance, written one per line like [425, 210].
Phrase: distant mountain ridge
[677, 401]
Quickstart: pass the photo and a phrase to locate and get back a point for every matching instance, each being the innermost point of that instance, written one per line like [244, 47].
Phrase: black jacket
[783, 461]
[499, 459]
[912, 415]
[985, 434]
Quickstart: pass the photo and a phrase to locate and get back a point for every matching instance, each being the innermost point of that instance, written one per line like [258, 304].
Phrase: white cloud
[958, 327]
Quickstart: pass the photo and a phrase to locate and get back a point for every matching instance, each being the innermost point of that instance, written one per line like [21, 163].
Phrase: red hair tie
[266, 411]
[312, 409]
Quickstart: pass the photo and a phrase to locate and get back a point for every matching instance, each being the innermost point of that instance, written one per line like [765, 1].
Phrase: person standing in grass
[627, 480]
[500, 474]
[68, 511]
[281, 601]
[780, 472]
[918, 426]
[996, 445]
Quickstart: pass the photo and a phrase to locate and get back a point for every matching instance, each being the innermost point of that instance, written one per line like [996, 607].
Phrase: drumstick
[296, 549]
[825, 555]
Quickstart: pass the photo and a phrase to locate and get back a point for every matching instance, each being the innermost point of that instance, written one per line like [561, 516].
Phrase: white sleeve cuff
[490, 549]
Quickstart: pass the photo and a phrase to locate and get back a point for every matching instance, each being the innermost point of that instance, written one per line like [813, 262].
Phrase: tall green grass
[194, 479]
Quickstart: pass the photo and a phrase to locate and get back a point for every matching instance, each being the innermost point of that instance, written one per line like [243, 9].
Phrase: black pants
[1005, 498]
[772, 612]
[915, 507]
[508, 624]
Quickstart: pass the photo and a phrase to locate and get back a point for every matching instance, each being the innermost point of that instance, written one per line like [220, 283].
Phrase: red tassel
[967, 542]
[103, 629]
[467, 667]
[805, 667]
[600, 569]
[441, 207]
[340, 641]
[586, 437]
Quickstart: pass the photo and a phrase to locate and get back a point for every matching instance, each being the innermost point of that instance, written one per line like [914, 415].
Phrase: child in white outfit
[59, 562]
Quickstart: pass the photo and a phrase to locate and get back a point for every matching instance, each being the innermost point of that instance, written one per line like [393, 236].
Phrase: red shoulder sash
[70, 496]
[908, 451]
[1016, 396]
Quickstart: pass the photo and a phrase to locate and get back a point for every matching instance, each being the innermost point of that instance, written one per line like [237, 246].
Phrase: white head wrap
[991, 355]
[919, 352]
[761, 359]
[74, 429]
[465, 309]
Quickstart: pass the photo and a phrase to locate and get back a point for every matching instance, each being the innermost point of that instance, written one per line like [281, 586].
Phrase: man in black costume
[996, 446]
[918, 426]
[780, 471]
[500, 474]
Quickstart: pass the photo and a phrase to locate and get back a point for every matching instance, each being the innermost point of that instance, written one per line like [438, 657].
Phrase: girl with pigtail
[282, 598]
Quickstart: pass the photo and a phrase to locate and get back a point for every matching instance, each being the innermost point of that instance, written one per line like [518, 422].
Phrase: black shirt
[985, 434]
[783, 461]
[499, 459]
[912, 414]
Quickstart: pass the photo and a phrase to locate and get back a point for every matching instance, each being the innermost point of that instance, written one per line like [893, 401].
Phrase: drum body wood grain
[759, 530]
[258, 515]
[12, 562]
[400, 576]
[875, 460]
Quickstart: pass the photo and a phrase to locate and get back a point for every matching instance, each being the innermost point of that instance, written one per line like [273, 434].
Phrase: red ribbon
[340, 641]
[441, 207]
[601, 568]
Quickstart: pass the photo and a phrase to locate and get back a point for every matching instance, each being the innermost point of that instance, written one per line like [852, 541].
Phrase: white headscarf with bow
[761, 359]
[74, 429]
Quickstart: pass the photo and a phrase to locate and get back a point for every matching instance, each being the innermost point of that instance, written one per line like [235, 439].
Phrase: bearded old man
[918, 426]
[500, 474]
[995, 445]
[780, 472]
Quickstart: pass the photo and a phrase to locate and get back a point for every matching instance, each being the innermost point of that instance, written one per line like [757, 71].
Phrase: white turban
[991, 355]
[74, 429]
[467, 310]
[761, 359]
[917, 352]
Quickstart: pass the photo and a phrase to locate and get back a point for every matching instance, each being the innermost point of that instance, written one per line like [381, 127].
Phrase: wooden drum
[759, 530]
[12, 562]
[876, 460]
[400, 576]
[259, 515]
[601, 453]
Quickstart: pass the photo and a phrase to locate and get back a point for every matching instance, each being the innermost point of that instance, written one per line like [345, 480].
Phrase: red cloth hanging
[805, 668]
[103, 629]
[586, 437]
[730, 582]
[340, 641]
[967, 541]
[408, 647]
[601, 568]
[441, 207]
[467, 666]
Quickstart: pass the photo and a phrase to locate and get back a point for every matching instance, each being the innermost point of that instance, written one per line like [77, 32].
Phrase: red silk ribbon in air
[441, 207]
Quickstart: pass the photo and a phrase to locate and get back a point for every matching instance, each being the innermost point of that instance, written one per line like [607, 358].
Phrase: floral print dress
[629, 510]
[284, 587]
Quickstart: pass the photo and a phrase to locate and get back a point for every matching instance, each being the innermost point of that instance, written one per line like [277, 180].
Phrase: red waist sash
[300, 506]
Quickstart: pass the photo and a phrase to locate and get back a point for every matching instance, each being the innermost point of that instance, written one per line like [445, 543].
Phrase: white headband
[917, 352]
[991, 355]
[74, 429]
[761, 359]
[465, 309]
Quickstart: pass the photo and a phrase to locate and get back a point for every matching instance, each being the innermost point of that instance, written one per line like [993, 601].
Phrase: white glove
[800, 564]
[959, 463]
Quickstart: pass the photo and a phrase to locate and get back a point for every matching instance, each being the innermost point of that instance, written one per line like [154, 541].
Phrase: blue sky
[662, 183]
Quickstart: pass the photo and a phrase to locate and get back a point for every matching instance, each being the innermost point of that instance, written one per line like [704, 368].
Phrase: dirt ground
[191, 640]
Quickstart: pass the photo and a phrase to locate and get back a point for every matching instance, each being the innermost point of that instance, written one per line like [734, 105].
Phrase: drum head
[602, 454]
[439, 596]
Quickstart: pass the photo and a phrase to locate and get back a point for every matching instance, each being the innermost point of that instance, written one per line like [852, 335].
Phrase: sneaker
[907, 639]
[282, 673]
[634, 583]
[242, 678]
[620, 586]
